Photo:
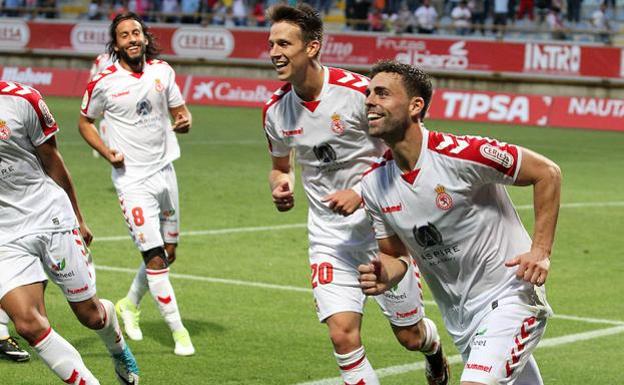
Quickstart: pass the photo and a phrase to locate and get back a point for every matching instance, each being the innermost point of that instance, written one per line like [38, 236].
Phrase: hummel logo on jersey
[298, 131]
[119, 94]
[392, 209]
[164, 300]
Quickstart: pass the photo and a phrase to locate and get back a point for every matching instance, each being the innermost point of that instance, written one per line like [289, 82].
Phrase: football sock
[432, 338]
[139, 286]
[162, 292]
[355, 368]
[111, 333]
[4, 325]
[63, 359]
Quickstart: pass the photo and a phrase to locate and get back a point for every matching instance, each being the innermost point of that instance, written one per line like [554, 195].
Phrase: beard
[133, 61]
[393, 128]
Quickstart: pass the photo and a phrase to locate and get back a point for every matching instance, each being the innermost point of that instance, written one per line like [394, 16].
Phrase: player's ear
[313, 48]
[416, 106]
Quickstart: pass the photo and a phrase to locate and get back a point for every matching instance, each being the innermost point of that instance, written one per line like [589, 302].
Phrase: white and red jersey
[459, 224]
[101, 62]
[331, 143]
[30, 201]
[136, 109]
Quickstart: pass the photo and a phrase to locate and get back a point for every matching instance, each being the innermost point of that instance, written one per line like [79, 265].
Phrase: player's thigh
[403, 304]
[503, 344]
[141, 210]
[335, 284]
[20, 264]
[169, 203]
[68, 265]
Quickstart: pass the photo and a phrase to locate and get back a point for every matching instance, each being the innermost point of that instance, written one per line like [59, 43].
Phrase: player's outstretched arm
[90, 134]
[281, 182]
[545, 176]
[182, 119]
[54, 166]
[387, 269]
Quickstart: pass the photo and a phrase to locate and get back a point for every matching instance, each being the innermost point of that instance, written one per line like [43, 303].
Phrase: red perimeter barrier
[552, 59]
[477, 106]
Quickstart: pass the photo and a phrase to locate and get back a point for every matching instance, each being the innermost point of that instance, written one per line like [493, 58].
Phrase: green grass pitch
[249, 333]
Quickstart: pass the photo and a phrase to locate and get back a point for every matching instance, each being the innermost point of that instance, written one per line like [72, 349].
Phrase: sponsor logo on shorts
[174, 234]
[59, 265]
[168, 213]
[483, 368]
[393, 296]
[407, 314]
[78, 290]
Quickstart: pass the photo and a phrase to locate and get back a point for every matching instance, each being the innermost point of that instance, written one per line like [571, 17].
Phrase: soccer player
[452, 212]
[101, 62]
[319, 115]
[136, 96]
[42, 231]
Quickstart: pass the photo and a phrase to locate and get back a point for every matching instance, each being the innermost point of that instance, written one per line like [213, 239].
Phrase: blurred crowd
[559, 18]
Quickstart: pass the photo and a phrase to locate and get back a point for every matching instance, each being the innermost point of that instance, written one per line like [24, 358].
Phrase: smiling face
[389, 109]
[130, 42]
[290, 55]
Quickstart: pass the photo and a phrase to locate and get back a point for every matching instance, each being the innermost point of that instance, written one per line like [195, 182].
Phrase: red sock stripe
[353, 365]
[360, 382]
[82, 382]
[74, 376]
[42, 337]
[156, 272]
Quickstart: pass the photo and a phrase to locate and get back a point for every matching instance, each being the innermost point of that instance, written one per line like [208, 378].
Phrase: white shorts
[151, 209]
[336, 288]
[61, 255]
[502, 345]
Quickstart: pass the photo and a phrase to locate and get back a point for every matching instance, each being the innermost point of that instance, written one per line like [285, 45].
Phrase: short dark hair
[415, 81]
[302, 15]
[151, 51]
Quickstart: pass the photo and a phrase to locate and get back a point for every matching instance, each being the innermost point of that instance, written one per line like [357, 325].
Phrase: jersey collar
[312, 105]
[410, 176]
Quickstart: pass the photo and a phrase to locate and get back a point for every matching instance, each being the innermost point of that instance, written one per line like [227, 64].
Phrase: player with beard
[137, 96]
[319, 116]
[458, 223]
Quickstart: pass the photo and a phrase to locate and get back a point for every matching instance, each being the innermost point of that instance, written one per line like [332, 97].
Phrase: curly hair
[415, 81]
[151, 51]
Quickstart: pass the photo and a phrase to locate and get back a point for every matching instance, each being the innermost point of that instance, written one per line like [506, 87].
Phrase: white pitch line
[235, 230]
[545, 343]
[237, 282]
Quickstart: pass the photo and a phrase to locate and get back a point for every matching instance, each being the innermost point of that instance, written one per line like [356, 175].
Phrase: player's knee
[411, 337]
[344, 339]
[156, 258]
[90, 315]
[171, 253]
[31, 327]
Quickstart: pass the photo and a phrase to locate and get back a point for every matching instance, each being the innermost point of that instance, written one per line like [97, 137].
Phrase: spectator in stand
[403, 21]
[501, 11]
[426, 17]
[461, 18]
[11, 8]
[239, 13]
[118, 8]
[574, 11]
[139, 7]
[48, 8]
[219, 11]
[555, 23]
[170, 10]
[478, 15]
[95, 11]
[190, 11]
[360, 14]
[601, 25]
[376, 21]
[259, 13]
[525, 8]
[543, 7]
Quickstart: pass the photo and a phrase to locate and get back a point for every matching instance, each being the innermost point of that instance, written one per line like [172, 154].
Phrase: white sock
[63, 359]
[111, 333]
[162, 292]
[355, 368]
[4, 325]
[139, 286]
[432, 338]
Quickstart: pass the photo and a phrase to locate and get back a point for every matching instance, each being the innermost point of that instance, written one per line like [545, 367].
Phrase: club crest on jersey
[443, 199]
[158, 86]
[5, 131]
[337, 125]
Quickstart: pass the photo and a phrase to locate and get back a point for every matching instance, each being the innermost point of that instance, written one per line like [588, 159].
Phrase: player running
[442, 197]
[136, 95]
[319, 115]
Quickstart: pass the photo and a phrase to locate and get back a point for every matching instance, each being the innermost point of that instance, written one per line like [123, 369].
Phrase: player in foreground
[442, 197]
[42, 231]
[137, 94]
[319, 115]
